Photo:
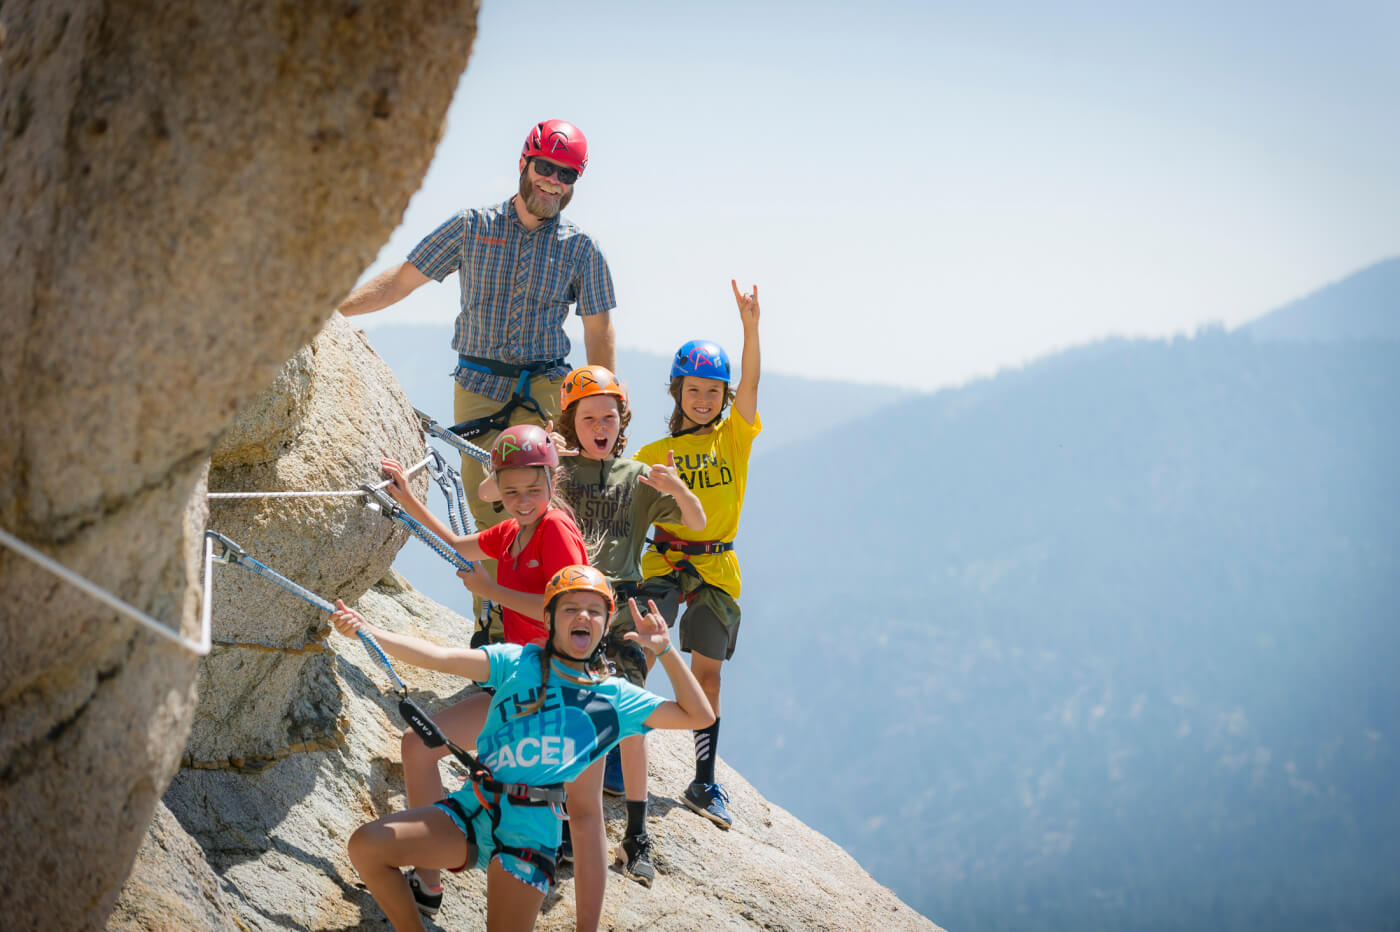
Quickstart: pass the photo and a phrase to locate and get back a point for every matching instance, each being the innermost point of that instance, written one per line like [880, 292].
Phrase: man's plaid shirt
[516, 287]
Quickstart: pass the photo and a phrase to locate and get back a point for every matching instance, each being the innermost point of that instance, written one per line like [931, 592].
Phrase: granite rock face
[330, 416]
[171, 885]
[186, 190]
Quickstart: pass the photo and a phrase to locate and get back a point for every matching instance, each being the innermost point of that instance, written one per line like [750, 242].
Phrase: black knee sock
[706, 742]
[636, 818]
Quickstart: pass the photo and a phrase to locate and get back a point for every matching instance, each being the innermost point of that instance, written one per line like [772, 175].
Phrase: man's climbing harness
[199, 648]
[519, 398]
[520, 794]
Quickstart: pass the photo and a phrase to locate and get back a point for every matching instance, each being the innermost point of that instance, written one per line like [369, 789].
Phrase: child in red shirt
[535, 542]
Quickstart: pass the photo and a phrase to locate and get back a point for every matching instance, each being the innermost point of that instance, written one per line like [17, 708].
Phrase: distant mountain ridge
[1107, 641]
[1363, 306]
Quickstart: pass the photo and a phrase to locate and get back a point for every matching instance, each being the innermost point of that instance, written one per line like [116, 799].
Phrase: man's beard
[535, 205]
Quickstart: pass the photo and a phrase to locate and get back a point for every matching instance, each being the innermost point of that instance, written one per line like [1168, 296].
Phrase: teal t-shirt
[576, 726]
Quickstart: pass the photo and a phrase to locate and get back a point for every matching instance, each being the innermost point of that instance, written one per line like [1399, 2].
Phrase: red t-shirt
[555, 544]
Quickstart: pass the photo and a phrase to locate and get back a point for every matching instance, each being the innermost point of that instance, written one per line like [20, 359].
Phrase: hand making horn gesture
[748, 303]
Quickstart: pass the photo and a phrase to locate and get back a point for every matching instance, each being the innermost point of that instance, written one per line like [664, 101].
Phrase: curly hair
[567, 428]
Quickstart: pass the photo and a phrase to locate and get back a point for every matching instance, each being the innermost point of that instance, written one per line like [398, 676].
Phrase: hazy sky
[925, 192]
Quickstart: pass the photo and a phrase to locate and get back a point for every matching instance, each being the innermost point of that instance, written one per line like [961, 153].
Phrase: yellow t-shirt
[716, 467]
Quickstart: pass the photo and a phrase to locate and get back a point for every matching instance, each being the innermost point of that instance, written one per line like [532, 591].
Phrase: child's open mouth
[580, 639]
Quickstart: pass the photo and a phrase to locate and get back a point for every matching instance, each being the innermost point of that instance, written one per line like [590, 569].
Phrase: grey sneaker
[428, 903]
[634, 854]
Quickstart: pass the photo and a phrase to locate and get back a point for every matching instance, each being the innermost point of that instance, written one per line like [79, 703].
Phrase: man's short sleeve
[439, 254]
[593, 284]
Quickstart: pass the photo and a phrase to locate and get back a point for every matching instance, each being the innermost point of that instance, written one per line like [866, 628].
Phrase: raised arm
[399, 490]
[665, 479]
[690, 709]
[460, 661]
[598, 340]
[388, 287]
[746, 395]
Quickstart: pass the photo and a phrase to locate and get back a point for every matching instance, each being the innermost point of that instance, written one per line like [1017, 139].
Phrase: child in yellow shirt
[711, 453]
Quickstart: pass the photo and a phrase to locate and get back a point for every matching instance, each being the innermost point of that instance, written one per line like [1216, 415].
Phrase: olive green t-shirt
[615, 511]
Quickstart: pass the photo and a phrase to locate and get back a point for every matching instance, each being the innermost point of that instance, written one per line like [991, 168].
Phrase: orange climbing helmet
[578, 578]
[523, 445]
[590, 380]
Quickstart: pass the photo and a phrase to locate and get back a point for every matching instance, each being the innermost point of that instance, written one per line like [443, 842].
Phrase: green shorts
[710, 624]
[629, 660]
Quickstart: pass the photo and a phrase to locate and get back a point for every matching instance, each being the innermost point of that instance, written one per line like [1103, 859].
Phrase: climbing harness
[519, 398]
[199, 648]
[544, 861]
[413, 714]
[665, 541]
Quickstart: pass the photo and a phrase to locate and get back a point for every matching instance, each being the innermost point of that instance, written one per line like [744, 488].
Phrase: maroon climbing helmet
[523, 445]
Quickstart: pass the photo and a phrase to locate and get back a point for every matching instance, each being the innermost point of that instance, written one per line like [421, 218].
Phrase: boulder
[171, 885]
[334, 411]
[186, 190]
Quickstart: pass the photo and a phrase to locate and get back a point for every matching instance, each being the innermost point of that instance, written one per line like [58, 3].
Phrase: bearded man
[519, 265]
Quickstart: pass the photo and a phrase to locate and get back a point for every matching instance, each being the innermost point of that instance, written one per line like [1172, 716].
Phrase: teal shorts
[477, 828]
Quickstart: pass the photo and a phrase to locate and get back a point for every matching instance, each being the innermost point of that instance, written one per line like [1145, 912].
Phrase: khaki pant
[467, 407]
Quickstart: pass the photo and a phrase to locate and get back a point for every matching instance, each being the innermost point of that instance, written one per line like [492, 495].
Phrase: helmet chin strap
[690, 430]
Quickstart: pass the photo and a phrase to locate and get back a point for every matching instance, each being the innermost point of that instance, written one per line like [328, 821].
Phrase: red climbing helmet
[523, 445]
[578, 578]
[559, 141]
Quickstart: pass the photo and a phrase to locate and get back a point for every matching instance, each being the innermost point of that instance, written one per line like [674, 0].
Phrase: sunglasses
[549, 170]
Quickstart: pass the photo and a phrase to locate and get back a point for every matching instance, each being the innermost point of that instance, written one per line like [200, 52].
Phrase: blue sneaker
[613, 783]
[708, 799]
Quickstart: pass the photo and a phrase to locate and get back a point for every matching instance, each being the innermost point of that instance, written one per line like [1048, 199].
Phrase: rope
[382, 503]
[218, 496]
[199, 648]
[237, 556]
[449, 480]
[434, 429]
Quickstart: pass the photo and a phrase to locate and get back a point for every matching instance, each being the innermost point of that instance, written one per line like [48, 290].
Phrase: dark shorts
[629, 660]
[710, 622]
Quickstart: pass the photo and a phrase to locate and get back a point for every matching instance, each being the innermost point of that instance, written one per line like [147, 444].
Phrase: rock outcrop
[329, 417]
[186, 190]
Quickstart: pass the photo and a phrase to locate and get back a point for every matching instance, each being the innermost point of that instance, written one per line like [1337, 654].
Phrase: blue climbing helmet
[702, 359]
